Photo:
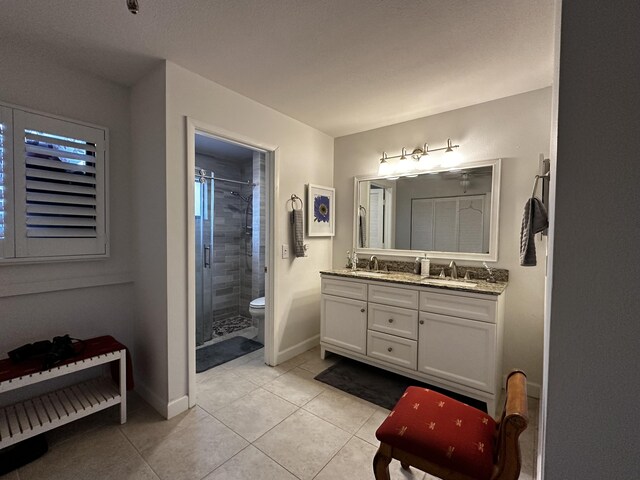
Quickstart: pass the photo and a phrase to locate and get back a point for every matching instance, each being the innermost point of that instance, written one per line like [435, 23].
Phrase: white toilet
[256, 309]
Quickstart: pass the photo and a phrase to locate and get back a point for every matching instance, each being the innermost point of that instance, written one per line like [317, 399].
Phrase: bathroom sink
[450, 283]
[366, 273]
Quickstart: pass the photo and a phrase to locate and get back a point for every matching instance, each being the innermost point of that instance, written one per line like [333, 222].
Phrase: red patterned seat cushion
[442, 431]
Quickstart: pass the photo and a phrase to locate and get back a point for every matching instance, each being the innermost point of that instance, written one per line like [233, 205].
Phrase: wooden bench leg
[381, 462]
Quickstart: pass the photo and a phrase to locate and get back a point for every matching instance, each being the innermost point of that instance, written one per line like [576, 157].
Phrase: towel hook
[535, 182]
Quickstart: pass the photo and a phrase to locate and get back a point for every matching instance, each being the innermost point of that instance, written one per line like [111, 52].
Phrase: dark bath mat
[223, 352]
[379, 386]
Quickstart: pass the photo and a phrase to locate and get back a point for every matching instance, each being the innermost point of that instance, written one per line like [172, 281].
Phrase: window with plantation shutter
[6, 183]
[59, 188]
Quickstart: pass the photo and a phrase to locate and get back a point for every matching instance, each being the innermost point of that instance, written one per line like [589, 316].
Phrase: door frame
[271, 192]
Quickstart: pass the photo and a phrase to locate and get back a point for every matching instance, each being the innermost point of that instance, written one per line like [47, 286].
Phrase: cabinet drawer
[397, 297]
[459, 306]
[344, 288]
[391, 349]
[393, 320]
[459, 350]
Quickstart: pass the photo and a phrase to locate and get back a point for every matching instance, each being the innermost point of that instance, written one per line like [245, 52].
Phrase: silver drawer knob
[421, 322]
[391, 320]
[362, 310]
[389, 349]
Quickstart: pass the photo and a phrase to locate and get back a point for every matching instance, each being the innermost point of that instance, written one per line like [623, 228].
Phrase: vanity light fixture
[449, 146]
[418, 155]
[419, 152]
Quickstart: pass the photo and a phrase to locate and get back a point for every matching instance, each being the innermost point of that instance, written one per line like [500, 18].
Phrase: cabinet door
[344, 323]
[457, 349]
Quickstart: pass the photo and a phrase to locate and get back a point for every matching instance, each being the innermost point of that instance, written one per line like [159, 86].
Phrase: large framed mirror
[447, 213]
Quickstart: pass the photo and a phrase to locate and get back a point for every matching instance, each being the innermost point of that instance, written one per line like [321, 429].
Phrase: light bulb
[428, 162]
[451, 159]
[384, 168]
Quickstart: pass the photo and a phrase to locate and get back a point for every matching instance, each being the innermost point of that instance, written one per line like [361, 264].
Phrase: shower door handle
[207, 256]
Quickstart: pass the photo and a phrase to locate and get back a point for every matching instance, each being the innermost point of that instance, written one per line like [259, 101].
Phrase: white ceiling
[341, 66]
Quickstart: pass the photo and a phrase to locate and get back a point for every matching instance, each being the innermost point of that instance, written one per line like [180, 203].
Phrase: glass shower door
[204, 246]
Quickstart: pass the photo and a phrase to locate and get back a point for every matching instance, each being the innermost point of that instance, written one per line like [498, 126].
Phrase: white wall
[593, 376]
[28, 311]
[305, 155]
[148, 118]
[515, 129]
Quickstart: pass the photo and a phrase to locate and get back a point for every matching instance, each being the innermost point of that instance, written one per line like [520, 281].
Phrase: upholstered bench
[452, 440]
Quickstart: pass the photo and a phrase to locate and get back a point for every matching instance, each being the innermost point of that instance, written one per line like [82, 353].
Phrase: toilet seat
[257, 303]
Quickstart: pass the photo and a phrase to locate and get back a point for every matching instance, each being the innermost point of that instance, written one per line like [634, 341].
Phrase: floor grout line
[138, 451]
[312, 365]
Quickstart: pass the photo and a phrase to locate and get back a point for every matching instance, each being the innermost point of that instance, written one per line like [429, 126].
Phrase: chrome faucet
[373, 259]
[491, 278]
[454, 270]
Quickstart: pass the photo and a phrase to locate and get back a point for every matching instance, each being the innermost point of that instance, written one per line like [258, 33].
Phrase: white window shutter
[422, 215]
[6, 183]
[60, 187]
[446, 224]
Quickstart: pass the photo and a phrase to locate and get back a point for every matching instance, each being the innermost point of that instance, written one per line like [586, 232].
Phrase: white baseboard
[177, 406]
[297, 349]
[151, 398]
[167, 410]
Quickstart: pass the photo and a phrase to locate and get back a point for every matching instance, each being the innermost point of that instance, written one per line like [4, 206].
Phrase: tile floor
[252, 422]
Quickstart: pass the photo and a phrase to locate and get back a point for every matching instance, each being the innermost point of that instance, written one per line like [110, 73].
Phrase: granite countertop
[482, 286]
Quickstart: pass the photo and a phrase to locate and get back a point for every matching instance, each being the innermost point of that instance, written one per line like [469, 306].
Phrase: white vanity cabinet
[447, 338]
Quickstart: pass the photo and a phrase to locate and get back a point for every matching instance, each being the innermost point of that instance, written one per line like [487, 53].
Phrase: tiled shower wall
[252, 269]
[233, 269]
[259, 225]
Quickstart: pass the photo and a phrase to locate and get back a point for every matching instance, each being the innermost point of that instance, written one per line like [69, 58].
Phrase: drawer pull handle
[421, 322]
[389, 349]
[362, 310]
[391, 320]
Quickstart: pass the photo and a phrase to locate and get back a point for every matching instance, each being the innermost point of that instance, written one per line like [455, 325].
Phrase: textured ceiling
[341, 66]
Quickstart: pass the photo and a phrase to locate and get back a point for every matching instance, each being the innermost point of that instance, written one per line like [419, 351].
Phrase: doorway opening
[228, 233]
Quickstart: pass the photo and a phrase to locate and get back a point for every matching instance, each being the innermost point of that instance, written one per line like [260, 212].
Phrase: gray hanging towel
[534, 220]
[297, 222]
[363, 229]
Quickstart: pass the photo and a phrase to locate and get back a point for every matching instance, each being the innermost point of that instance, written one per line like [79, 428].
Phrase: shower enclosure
[204, 211]
[229, 245]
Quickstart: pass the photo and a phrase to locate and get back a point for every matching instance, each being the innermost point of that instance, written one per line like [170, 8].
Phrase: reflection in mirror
[446, 211]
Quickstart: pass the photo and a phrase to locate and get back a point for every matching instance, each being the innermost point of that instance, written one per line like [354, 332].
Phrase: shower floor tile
[230, 325]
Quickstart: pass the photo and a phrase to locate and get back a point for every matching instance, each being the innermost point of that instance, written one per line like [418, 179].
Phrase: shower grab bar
[207, 256]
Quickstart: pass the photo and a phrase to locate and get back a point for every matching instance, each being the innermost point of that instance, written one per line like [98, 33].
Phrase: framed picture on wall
[321, 211]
